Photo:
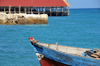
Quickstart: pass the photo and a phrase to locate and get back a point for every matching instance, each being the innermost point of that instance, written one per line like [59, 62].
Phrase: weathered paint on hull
[66, 58]
[70, 59]
[47, 62]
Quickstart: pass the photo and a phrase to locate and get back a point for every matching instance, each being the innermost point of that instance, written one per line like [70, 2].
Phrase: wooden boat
[57, 55]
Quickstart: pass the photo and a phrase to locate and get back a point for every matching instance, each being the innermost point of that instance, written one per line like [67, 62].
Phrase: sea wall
[22, 18]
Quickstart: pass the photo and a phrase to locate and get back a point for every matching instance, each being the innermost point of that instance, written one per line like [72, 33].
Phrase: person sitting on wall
[34, 10]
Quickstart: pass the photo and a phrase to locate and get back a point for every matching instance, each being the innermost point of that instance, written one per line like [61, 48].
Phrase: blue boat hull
[66, 58]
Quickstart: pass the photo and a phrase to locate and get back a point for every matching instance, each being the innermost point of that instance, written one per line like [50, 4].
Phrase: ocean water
[80, 29]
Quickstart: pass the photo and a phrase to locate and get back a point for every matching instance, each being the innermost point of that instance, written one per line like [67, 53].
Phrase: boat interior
[64, 49]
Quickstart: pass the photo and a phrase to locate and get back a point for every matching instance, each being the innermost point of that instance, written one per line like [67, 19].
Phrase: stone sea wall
[12, 19]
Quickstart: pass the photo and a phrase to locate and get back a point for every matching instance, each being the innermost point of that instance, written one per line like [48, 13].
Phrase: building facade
[50, 7]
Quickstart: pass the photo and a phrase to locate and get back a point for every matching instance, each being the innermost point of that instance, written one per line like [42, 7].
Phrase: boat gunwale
[40, 46]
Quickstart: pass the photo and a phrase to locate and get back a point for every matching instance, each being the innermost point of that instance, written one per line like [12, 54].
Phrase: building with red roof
[34, 6]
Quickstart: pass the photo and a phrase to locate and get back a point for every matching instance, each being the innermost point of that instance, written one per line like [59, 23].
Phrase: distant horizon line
[84, 8]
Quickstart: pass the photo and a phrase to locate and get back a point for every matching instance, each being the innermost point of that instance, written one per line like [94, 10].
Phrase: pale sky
[84, 3]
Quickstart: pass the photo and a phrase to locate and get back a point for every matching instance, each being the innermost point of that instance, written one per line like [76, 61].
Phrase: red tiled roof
[33, 3]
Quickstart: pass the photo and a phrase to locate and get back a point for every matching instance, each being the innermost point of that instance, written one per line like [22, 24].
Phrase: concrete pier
[23, 18]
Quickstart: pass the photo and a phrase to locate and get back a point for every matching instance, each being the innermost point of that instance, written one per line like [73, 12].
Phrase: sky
[84, 3]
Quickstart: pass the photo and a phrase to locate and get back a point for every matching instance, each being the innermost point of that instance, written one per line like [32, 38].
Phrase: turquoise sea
[80, 29]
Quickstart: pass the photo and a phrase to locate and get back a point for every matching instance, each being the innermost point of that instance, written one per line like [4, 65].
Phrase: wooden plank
[64, 49]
